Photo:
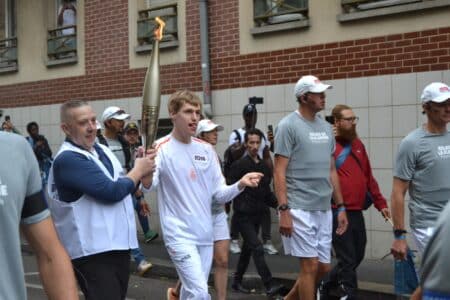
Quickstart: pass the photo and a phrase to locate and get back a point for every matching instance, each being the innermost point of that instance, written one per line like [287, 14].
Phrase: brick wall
[108, 75]
[223, 29]
[106, 36]
[392, 54]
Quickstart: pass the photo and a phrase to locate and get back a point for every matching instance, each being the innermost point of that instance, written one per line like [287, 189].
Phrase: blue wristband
[341, 209]
[401, 237]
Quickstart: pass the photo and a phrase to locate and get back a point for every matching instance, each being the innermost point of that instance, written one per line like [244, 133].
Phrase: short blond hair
[178, 99]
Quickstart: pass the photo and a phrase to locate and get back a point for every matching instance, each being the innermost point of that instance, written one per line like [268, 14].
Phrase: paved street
[162, 275]
[151, 287]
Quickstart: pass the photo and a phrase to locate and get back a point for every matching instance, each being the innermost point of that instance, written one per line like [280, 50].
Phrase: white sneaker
[269, 248]
[143, 267]
[234, 247]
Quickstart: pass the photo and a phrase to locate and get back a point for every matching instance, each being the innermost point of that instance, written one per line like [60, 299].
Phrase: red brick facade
[108, 75]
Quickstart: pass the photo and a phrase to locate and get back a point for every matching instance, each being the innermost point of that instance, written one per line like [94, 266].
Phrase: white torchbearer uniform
[188, 178]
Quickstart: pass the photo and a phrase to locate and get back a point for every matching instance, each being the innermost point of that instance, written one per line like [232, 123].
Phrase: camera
[255, 100]
[7, 118]
[329, 119]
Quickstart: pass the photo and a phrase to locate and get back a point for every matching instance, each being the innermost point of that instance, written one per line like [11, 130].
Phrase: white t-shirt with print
[188, 177]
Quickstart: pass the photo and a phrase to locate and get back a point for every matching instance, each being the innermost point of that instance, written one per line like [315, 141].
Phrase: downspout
[204, 57]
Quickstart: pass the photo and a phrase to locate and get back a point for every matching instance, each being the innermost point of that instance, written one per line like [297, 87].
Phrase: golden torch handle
[151, 96]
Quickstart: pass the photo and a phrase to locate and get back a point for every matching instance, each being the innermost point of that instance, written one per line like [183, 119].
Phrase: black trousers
[104, 275]
[248, 226]
[266, 228]
[350, 248]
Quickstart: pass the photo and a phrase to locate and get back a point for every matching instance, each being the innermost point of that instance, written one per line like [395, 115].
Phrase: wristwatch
[399, 232]
[283, 207]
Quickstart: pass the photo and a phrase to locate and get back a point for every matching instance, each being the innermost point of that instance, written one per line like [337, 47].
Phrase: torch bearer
[151, 96]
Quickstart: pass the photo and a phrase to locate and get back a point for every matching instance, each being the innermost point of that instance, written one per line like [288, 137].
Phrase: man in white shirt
[188, 178]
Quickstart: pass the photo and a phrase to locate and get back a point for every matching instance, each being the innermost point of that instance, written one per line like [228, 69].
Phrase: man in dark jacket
[356, 180]
[248, 208]
[41, 149]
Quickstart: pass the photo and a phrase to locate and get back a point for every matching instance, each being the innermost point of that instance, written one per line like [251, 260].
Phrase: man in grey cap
[305, 180]
[422, 167]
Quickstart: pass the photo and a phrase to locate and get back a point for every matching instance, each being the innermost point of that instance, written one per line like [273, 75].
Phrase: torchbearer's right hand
[285, 224]
[146, 165]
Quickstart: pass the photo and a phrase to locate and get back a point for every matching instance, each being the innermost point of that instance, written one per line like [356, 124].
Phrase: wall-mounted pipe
[204, 58]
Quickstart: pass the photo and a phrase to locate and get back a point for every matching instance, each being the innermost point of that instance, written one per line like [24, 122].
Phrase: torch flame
[159, 31]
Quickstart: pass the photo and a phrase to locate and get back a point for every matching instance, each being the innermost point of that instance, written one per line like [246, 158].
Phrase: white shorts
[193, 264]
[220, 227]
[421, 236]
[311, 236]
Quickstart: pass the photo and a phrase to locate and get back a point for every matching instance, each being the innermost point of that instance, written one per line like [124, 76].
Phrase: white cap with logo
[309, 84]
[114, 112]
[206, 125]
[435, 92]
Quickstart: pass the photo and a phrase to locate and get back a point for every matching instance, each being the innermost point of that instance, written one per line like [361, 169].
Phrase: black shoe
[238, 287]
[273, 289]
[324, 291]
[346, 293]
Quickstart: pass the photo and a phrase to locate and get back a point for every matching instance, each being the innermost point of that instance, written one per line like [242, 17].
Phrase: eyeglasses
[351, 119]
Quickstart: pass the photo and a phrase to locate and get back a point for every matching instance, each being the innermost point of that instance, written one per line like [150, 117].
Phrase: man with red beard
[356, 180]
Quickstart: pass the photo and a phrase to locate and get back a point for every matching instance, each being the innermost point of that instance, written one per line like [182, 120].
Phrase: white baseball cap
[98, 125]
[436, 92]
[309, 84]
[114, 112]
[206, 125]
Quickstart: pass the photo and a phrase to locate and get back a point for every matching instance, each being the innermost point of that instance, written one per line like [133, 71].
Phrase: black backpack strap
[238, 135]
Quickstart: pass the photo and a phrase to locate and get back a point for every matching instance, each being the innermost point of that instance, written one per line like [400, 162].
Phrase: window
[8, 40]
[146, 24]
[62, 41]
[362, 9]
[279, 14]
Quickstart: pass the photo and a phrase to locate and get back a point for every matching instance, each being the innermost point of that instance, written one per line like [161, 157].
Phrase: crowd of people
[84, 230]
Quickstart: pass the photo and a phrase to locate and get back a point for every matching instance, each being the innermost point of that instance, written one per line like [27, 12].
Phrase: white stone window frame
[143, 48]
[359, 10]
[271, 22]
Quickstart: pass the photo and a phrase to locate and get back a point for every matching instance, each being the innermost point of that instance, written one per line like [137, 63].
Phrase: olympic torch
[151, 96]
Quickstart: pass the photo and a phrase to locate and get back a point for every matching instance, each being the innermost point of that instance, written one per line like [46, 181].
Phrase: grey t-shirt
[19, 178]
[436, 261]
[309, 147]
[116, 147]
[423, 159]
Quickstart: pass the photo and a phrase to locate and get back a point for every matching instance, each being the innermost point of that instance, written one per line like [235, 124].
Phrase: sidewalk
[375, 276]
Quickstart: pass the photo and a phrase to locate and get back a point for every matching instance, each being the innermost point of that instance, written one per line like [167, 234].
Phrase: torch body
[151, 98]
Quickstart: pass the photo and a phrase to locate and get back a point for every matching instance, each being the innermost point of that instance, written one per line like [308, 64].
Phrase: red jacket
[356, 181]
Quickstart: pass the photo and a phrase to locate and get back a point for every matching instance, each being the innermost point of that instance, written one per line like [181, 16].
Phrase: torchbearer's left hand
[251, 179]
